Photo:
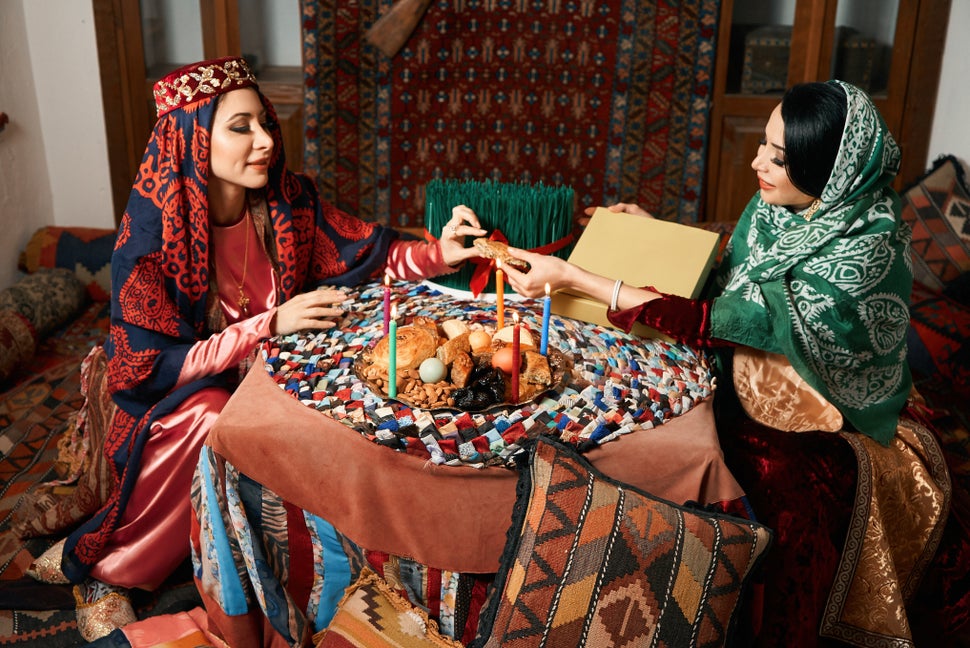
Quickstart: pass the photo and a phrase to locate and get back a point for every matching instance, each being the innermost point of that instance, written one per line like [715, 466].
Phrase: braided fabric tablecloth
[619, 383]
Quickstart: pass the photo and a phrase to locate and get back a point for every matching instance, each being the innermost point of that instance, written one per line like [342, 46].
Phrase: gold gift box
[672, 257]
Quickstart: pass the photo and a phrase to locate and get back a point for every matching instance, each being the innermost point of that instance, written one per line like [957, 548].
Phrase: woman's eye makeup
[775, 160]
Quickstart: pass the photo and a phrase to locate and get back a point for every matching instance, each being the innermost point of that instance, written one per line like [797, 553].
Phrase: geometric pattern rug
[609, 98]
[36, 407]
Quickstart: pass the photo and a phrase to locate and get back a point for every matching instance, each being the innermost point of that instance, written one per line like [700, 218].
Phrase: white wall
[53, 154]
[951, 127]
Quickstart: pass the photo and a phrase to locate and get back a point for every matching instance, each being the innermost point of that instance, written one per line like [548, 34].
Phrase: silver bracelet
[616, 294]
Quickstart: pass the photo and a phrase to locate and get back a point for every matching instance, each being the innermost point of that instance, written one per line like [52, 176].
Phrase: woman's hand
[544, 269]
[625, 208]
[309, 311]
[464, 222]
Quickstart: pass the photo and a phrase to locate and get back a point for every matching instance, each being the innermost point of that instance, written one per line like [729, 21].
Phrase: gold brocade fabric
[772, 393]
[901, 505]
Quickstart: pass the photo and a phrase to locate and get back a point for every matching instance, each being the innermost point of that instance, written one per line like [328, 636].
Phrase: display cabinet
[140, 41]
[890, 48]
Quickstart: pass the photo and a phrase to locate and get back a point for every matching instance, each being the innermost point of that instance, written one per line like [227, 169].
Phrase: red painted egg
[502, 360]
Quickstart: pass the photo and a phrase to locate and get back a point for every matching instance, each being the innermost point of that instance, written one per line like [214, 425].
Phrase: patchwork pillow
[772, 393]
[937, 207]
[47, 299]
[372, 615]
[85, 251]
[593, 562]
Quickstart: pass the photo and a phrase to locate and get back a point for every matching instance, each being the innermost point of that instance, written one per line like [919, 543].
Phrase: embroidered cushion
[773, 394]
[593, 562]
[47, 299]
[372, 615]
[17, 342]
[937, 207]
[85, 251]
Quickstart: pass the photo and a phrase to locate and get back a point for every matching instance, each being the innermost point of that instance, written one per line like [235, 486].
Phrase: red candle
[516, 360]
[499, 296]
[387, 304]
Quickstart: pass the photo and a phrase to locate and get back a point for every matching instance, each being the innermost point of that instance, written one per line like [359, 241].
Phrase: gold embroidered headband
[197, 81]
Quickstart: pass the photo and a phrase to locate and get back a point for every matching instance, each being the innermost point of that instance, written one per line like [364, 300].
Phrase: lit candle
[516, 360]
[387, 304]
[392, 354]
[546, 306]
[499, 296]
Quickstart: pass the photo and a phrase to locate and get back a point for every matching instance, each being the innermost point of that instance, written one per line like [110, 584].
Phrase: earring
[814, 207]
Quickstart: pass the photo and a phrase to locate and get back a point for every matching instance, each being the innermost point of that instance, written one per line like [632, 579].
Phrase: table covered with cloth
[309, 475]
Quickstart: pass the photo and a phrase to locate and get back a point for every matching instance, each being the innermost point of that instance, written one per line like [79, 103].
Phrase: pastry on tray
[465, 377]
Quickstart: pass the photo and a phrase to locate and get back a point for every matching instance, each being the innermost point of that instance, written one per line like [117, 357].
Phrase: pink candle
[516, 360]
[387, 304]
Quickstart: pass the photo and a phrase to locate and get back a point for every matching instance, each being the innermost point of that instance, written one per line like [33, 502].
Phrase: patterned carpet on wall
[611, 98]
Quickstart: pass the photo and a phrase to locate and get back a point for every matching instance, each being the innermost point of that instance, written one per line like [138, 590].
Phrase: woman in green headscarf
[817, 270]
[810, 303]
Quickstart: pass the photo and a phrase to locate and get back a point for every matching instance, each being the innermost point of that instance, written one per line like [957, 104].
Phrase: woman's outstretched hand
[311, 310]
[625, 208]
[544, 269]
[464, 222]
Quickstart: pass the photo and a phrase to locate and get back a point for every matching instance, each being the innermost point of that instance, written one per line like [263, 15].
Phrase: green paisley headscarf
[831, 292]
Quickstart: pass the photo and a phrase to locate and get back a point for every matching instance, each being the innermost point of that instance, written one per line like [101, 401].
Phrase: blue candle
[546, 306]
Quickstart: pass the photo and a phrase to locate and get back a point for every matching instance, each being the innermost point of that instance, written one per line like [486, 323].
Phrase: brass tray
[560, 369]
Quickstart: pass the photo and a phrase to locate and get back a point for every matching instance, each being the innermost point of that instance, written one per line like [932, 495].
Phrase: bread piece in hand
[497, 250]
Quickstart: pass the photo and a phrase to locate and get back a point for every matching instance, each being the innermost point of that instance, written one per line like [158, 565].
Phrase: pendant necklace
[243, 300]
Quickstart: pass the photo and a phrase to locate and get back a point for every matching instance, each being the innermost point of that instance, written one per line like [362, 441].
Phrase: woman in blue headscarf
[220, 245]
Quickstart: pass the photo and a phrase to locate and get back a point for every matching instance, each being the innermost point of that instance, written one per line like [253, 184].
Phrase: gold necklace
[814, 207]
[243, 300]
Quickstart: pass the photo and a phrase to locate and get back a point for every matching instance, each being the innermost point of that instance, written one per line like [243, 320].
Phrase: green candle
[392, 355]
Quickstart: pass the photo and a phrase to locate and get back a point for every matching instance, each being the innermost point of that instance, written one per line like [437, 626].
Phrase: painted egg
[432, 370]
[479, 340]
[502, 360]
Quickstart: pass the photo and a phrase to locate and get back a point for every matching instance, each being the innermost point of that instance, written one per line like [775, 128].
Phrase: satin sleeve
[685, 320]
[413, 260]
[225, 349]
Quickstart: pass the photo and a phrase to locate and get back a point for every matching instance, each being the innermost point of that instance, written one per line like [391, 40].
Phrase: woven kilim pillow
[86, 251]
[593, 562]
[937, 207]
[372, 615]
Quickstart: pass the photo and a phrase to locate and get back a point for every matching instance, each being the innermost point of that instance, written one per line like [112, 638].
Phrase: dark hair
[814, 116]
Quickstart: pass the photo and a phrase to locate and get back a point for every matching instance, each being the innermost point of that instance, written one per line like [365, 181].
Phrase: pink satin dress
[152, 538]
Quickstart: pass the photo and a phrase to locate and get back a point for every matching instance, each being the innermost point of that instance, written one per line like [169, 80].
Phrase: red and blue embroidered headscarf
[160, 270]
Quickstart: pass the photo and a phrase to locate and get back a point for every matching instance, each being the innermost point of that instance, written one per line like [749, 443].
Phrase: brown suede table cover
[449, 517]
